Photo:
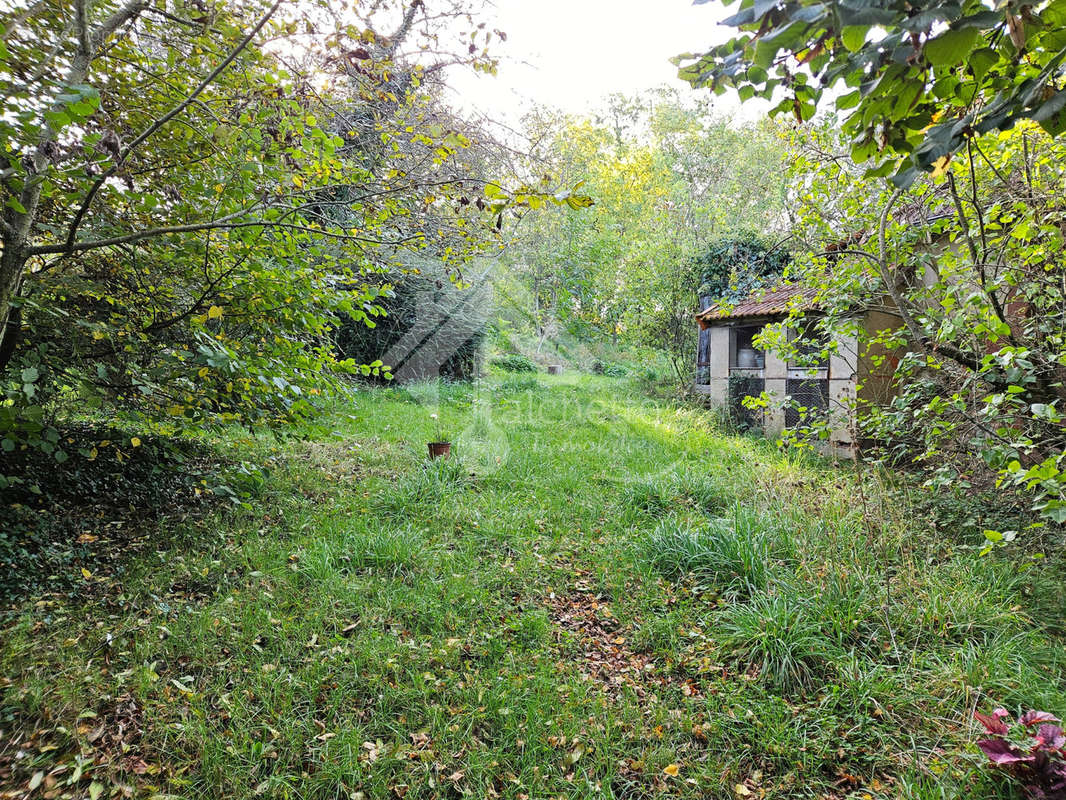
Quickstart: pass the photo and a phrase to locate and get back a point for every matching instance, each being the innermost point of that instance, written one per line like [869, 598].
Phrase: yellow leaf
[219, 188]
[214, 312]
[85, 573]
[672, 770]
[135, 442]
[742, 790]
[940, 166]
[203, 372]
[576, 753]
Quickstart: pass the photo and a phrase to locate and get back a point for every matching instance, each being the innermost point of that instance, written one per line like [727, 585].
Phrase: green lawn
[600, 596]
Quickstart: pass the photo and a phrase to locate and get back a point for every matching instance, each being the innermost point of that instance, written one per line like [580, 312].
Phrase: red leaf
[1051, 736]
[992, 724]
[1036, 717]
[1000, 752]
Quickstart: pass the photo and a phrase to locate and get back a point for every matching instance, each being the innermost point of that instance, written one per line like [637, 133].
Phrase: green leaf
[853, 37]
[982, 60]
[951, 47]
[849, 100]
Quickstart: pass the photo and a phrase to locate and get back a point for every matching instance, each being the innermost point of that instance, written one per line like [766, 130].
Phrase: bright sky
[572, 53]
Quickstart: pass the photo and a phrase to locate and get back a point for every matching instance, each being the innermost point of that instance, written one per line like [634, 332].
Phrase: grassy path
[601, 596]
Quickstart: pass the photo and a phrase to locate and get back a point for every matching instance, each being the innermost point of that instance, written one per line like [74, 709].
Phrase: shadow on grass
[110, 499]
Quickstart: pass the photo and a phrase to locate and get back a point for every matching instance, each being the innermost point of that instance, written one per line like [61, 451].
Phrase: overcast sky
[572, 53]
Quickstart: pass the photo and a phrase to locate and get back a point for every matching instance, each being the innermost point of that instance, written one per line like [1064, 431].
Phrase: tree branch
[159, 123]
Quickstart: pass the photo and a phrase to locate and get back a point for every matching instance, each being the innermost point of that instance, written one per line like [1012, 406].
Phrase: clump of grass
[704, 493]
[850, 606]
[781, 634]
[383, 550]
[736, 555]
[660, 634]
[648, 496]
[655, 495]
[436, 481]
[517, 384]
[376, 550]
[530, 628]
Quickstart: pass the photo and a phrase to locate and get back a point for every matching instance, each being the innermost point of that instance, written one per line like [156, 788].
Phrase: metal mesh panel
[811, 395]
[741, 386]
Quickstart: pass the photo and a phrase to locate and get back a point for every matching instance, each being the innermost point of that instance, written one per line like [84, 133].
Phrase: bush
[425, 299]
[515, 362]
[609, 369]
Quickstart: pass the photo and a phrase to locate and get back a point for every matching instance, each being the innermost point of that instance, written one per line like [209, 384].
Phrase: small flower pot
[440, 449]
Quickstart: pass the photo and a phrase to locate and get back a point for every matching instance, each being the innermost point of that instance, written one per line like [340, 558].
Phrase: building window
[703, 358]
[810, 342]
[743, 354]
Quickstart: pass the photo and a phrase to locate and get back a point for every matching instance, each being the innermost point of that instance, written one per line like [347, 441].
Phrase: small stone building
[729, 366]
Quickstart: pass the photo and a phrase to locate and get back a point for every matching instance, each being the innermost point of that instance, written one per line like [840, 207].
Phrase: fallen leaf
[672, 770]
[576, 753]
[742, 790]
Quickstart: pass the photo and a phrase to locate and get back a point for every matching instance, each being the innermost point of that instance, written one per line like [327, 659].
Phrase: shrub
[422, 293]
[1032, 749]
[515, 362]
[609, 369]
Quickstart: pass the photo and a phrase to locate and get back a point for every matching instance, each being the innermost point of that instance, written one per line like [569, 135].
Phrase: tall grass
[780, 635]
[735, 555]
[619, 593]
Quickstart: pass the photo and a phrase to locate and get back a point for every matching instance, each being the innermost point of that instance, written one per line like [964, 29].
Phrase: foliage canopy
[918, 80]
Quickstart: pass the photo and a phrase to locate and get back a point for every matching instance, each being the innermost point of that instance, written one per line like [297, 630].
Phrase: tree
[194, 194]
[668, 178]
[919, 80]
[732, 267]
[971, 264]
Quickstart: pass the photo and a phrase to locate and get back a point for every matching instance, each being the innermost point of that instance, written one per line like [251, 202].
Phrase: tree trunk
[11, 264]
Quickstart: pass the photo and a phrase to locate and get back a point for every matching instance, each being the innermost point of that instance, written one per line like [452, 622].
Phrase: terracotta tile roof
[761, 303]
